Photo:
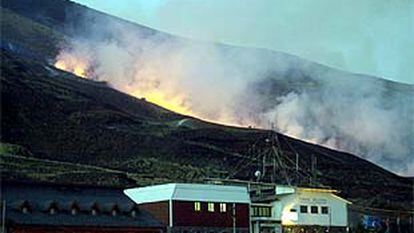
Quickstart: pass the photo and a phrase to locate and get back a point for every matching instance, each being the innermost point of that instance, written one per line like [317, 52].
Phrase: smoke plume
[363, 115]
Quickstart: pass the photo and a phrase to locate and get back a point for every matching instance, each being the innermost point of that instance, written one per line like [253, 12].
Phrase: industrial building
[202, 208]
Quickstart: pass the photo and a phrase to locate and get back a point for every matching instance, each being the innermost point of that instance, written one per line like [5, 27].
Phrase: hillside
[360, 114]
[59, 118]
[57, 127]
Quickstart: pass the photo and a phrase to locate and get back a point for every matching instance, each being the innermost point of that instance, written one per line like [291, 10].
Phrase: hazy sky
[370, 36]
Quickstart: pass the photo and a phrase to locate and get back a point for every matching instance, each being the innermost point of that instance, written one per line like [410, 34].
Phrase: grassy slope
[114, 139]
[26, 167]
[25, 33]
[110, 138]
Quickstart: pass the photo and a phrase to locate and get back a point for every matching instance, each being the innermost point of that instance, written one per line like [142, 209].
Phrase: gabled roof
[189, 192]
[40, 196]
[283, 190]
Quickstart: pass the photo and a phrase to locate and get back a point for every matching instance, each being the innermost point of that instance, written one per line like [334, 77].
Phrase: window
[52, 210]
[94, 212]
[25, 207]
[266, 212]
[324, 209]
[95, 209]
[254, 211]
[314, 209]
[303, 208]
[223, 207]
[25, 210]
[74, 209]
[293, 210]
[262, 211]
[197, 206]
[210, 207]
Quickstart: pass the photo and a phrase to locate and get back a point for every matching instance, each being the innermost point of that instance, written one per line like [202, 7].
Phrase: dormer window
[95, 209]
[94, 212]
[74, 209]
[133, 213]
[114, 212]
[53, 208]
[25, 207]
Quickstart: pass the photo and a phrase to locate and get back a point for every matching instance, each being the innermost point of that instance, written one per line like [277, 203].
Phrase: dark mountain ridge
[59, 117]
[60, 128]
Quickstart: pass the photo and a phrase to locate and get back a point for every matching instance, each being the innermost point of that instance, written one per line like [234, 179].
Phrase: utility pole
[330, 219]
[313, 180]
[297, 169]
[3, 217]
[234, 217]
[398, 223]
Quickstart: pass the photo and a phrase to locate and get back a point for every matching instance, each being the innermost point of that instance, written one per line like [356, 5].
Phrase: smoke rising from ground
[353, 113]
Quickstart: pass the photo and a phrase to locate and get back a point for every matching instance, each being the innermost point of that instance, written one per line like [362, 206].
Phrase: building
[296, 209]
[263, 216]
[263, 219]
[381, 220]
[32, 208]
[196, 208]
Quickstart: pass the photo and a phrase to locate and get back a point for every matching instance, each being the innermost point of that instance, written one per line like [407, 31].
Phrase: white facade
[189, 192]
[323, 207]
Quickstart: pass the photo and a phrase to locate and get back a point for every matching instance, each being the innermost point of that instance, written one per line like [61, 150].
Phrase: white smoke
[353, 113]
[358, 117]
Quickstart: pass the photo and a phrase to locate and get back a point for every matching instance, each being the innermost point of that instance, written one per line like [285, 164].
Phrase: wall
[160, 210]
[337, 209]
[184, 215]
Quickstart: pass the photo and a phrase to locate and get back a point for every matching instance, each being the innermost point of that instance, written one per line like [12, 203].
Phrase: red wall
[184, 215]
[159, 210]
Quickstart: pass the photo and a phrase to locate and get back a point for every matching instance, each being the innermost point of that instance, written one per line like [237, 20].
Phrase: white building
[294, 207]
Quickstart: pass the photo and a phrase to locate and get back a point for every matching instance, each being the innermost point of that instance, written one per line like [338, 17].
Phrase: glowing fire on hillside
[73, 64]
[80, 66]
[174, 103]
[238, 88]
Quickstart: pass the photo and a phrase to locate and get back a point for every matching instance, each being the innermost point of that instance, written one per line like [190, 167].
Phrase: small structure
[196, 207]
[46, 208]
[297, 209]
[264, 218]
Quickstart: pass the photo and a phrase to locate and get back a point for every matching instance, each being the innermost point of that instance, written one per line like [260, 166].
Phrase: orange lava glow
[167, 97]
[175, 103]
[73, 65]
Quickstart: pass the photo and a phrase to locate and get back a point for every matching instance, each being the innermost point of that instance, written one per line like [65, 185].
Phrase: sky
[374, 37]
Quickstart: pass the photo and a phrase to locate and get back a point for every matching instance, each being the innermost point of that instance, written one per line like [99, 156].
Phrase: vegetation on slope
[107, 137]
[61, 128]
[27, 36]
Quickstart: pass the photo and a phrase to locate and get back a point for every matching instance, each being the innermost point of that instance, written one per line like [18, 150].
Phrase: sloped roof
[36, 195]
[189, 192]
